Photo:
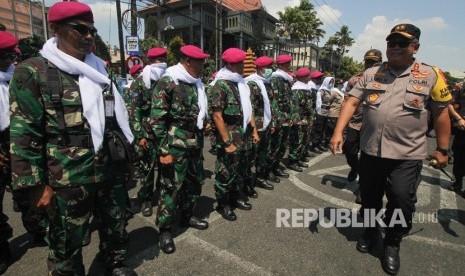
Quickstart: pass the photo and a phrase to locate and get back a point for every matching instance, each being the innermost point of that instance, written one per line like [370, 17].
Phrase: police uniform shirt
[459, 99]
[395, 109]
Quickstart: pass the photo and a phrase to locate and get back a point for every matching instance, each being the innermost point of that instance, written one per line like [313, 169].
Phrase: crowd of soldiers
[69, 139]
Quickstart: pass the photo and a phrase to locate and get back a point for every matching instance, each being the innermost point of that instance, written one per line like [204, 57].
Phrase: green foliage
[101, 49]
[348, 68]
[148, 43]
[174, 53]
[451, 81]
[208, 69]
[30, 46]
[2, 27]
[151, 27]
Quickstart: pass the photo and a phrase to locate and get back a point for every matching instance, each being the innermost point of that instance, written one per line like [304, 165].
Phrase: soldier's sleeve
[440, 93]
[135, 117]
[27, 130]
[254, 96]
[218, 97]
[159, 113]
[295, 99]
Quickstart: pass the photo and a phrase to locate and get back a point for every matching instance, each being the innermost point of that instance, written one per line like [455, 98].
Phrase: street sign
[132, 45]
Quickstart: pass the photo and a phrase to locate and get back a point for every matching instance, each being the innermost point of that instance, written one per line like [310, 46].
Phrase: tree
[344, 40]
[174, 50]
[348, 68]
[101, 49]
[148, 43]
[151, 27]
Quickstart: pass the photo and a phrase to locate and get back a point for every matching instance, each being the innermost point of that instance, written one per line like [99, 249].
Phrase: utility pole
[191, 27]
[44, 21]
[221, 35]
[121, 42]
[133, 18]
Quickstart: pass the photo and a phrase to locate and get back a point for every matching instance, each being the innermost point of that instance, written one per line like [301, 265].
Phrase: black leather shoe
[323, 148]
[352, 175]
[4, 256]
[310, 154]
[316, 150]
[194, 222]
[358, 197]
[391, 260]
[368, 240]
[226, 212]
[456, 187]
[304, 159]
[302, 164]
[262, 183]
[281, 173]
[120, 270]
[240, 204]
[146, 209]
[294, 167]
[273, 178]
[249, 190]
[86, 239]
[167, 242]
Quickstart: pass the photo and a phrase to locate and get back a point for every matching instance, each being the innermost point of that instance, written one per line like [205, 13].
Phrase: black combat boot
[391, 259]
[166, 241]
[302, 164]
[4, 256]
[310, 154]
[224, 208]
[189, 220]
[237, 202]
[293, 166]
[262, 183]
[272, 177]
[352, 175]
[368, 240]
[304, 159]
[315, 150]
[279, 172]
[323, 148]
[146, 208]
[249, 189]
[86, 239]
[119, 269]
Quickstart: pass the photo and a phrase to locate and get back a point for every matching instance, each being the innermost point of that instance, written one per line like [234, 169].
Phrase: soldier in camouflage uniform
[59, 152]
[178, 119]
[259, 85]
[141, 102]
[135, 71]
[212, 136]
[301, 111]
[232, 113]
[281, 83]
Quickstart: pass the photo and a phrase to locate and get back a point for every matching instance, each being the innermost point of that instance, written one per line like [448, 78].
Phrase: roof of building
[233, 5]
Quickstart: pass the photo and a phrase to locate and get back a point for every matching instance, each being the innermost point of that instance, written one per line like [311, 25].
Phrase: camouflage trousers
[180, 184]
[147, 160]
[262, 153]
[284, 142]
[307, 130]
[295, 143]
[276, 139]
[6, 231]
[231, 172]
[74, 206]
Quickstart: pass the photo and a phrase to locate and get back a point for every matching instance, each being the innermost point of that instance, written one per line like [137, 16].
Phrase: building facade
[24, 18]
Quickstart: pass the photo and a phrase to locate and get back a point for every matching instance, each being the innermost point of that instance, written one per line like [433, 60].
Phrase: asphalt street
[254, 245]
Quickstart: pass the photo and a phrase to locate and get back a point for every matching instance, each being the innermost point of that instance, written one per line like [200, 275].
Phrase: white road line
[329, 170]
[317, 159]
[228, 257]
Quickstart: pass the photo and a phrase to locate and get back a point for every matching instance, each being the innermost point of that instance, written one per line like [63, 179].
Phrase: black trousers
[351, 147]
[458, 149]
[399, 179]
[318, 131]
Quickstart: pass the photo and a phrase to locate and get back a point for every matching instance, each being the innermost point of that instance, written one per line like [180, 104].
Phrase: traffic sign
[132, 45]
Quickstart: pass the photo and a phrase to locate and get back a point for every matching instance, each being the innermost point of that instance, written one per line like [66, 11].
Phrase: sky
[442, 23]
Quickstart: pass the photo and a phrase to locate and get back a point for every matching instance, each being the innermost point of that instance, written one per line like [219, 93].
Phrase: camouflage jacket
[36, 157]
[140, 106]
[173, 116]
[302, 106]
[282, 89]
[258, 105]
[225, 98]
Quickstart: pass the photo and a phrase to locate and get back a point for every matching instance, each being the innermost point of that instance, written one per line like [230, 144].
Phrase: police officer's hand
[441, 160]
[3, 161]
[460, 124]
[230, 149]
[143, 143]
[336, 143]
[167, 159]
[255, 136]
[42, 196]
[208, 128]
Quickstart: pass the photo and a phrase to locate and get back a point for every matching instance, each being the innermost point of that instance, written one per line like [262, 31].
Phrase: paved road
[253, 245]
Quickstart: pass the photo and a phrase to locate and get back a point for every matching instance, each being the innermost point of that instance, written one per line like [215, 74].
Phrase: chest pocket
[375, 93]
[72, 106]
[416, 97]
[233, 107]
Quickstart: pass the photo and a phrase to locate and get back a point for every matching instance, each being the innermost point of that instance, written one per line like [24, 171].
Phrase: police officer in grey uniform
[396, 96]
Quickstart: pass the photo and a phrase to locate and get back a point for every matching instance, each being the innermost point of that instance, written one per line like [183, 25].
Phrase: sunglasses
[82, 29]
[399, 43]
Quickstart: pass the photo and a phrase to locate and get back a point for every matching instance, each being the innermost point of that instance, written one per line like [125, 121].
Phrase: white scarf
[267, 109]
[92, 79]
[4, 97]
[179, 73]
[324, 86]
[298, 85]
[282, 74]
[244, 92]
[153, 72]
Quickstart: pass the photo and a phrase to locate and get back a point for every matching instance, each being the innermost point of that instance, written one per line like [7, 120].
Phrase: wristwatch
[444, 152]
[227, 143]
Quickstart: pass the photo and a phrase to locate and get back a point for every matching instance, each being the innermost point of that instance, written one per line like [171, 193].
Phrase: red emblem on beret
[233, 55]
[316, 74]
[156, 52]
[70, 10]
[303, 72]
[193, 52]
[283, 59]
[7, 41]
[135, 68]
[263, 61]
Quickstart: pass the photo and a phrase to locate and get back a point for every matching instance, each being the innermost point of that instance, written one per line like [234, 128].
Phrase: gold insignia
[400, 27]
[373, 97]
[417, 87]
[420, 75]
[376, 85]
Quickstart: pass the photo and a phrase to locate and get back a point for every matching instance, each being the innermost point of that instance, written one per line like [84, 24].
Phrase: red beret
[67, 10]
[233, 55]
[263, 61]
[135, 68]
[156, 52]
[193, 52]
[283, 59]
[316, 74]
[7, 41]
[303, 72]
